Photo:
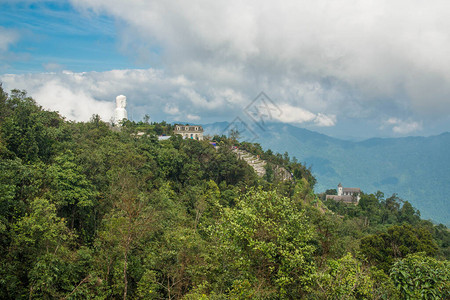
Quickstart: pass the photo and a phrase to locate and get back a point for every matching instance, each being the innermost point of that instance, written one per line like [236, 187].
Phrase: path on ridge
[255, 162]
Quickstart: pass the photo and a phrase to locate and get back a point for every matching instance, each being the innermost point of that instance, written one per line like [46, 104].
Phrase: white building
[194, 132]
[348, 195]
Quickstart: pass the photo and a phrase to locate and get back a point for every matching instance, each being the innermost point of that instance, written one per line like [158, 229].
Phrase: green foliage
[398, 241]
[147, 288]
[41, 227]
[40, 241]
[441, 235]
[92, 211]
[329, 241]
[420, 277]
[266, 241]
[298, 170]
[27, 130]
[13, 176]
[72, 193]
[344, 278]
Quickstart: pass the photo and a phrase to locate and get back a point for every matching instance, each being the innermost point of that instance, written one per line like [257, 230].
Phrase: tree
[331, 192]
[391, 211]
[266, 240]
[327, 226]
[384, 248]
[409, 214]
[27, 130]
[71, 192]
[371, 209]
[234, 135]
[344, 278]
[418, 276]
[40, 243]
[4, 109]
[269, 176]
[379, 195]
[130, 221]
[13, 175]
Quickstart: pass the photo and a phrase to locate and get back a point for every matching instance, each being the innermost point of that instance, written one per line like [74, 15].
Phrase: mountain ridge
[414, 167]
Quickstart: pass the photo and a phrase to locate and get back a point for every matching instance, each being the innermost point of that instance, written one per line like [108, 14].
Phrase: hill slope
[416, 168]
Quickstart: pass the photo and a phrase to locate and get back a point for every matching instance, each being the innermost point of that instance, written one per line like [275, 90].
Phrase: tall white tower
[120, 113]
[339, 191]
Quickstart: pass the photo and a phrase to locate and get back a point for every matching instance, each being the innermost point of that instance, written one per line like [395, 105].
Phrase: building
[347, 195]
[163, 137]
[194, 132]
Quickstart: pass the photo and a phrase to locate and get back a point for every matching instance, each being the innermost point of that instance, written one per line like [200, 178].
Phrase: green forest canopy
[90, 212]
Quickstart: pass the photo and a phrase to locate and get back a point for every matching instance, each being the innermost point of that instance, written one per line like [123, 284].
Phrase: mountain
[416, 168]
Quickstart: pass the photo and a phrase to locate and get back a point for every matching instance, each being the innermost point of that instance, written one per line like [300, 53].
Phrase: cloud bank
[321, 61]
[378, 48]
[78, 96]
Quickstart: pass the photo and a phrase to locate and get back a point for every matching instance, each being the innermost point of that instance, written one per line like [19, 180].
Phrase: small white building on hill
[347, 195]
[194, 132]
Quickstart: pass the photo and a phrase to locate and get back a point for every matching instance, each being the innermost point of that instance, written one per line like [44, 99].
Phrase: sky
[346, 68]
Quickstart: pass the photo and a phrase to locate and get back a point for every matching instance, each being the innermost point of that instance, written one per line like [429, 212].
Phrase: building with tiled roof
[194, 132]
[347, 195]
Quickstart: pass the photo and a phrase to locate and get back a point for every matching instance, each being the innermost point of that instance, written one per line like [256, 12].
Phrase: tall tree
[72, 193]
[267, 241]
[28, 130]
[384, 248]
[130, 220]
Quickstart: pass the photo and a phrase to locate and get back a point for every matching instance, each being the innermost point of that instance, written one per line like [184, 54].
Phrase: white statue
[120, 113]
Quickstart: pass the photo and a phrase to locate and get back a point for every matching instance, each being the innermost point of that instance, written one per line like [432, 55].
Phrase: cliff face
[259, 165]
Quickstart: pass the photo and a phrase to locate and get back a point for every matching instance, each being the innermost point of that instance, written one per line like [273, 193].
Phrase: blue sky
[53, 35]
[343, 68]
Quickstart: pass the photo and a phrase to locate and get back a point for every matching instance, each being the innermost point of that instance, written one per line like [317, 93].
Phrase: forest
[89, 210]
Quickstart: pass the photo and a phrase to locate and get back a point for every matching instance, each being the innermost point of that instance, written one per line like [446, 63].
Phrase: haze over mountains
[416, 168]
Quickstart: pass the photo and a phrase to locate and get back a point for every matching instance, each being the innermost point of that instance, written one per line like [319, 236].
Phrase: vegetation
[88, 211]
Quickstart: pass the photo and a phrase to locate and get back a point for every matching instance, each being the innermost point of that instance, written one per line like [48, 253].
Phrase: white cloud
[319, 61]
[322, 120]
[76, 105]
[192, 117]
[171, 109]
[79, 95]
[199, 100]
[392, 121]
[402, 127]
[292, 114]
[298, 115]
[361, 56]
[57, 93]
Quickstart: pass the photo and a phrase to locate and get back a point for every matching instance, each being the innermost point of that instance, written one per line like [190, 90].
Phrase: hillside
[95, 211]
[416, 168]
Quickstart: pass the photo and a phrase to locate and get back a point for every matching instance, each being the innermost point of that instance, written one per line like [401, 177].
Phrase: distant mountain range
[416, 168]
